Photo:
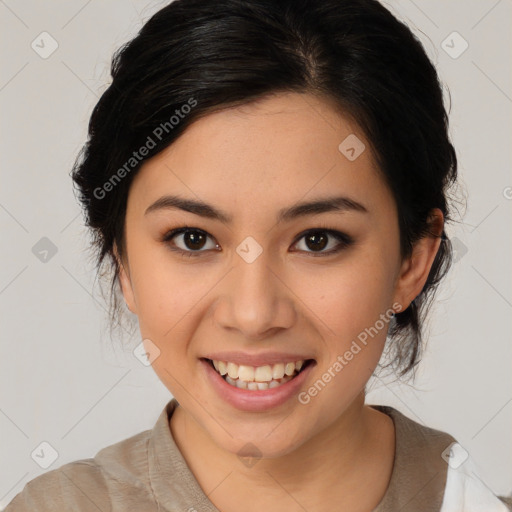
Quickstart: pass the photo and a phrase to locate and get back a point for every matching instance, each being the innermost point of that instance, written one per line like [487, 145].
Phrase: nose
[255, 300]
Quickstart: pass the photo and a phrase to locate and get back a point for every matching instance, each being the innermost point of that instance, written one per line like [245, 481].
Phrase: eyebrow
[321, 205]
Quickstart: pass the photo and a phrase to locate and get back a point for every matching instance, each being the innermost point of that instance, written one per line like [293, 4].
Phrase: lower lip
[255, 400]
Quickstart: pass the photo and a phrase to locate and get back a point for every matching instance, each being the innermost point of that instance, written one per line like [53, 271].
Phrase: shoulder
[117, 471]
[78, 485]
[435, 470]
[419, 449]
[466, 491]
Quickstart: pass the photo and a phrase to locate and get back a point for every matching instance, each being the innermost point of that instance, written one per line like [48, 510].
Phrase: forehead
[279, 150]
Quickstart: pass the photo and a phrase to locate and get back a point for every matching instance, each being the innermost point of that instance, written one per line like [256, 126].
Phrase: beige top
[147, 472]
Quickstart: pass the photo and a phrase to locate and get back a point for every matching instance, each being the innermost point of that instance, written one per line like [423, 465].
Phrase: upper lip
[259, 359]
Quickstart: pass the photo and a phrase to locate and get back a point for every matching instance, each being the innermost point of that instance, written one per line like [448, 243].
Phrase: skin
[250, 162]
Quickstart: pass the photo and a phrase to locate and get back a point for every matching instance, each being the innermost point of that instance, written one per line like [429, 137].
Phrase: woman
[269, 181]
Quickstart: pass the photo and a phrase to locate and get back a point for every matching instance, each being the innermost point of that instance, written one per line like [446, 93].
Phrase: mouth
[257, 378]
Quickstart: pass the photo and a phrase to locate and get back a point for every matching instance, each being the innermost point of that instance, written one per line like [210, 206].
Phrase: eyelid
[336, 233]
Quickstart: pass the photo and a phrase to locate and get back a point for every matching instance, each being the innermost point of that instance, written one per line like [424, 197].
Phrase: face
[257, 280]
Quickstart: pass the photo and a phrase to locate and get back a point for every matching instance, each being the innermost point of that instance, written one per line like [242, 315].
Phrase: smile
[258, 377]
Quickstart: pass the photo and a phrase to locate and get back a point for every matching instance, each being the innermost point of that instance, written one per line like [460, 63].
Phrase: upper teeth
[259, 373]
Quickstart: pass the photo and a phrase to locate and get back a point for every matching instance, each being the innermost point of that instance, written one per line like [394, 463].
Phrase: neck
[358, 447]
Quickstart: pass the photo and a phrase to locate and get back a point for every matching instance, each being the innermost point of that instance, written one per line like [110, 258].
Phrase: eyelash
[344, 239]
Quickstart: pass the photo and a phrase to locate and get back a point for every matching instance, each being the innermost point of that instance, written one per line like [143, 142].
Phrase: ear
[124, 280]
[415, 269]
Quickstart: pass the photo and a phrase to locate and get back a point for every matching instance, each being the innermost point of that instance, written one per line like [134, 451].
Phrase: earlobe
[415, 270]
[125, 282]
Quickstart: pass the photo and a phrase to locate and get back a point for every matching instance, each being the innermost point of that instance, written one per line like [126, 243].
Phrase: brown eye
[194, 240]
[315, 241]
[189, 240]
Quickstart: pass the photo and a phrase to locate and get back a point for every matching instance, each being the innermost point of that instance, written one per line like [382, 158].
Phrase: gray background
[65, 382]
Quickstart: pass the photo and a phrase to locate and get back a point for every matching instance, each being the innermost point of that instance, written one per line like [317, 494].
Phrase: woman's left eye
[318, 239]
[193, 240]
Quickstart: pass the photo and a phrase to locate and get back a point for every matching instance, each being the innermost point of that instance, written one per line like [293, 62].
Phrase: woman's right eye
[192, 240]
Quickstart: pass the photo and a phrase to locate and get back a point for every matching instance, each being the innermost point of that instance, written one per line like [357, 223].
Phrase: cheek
[349, 297]
[169, 305]
[351, 313]
[167, 293]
